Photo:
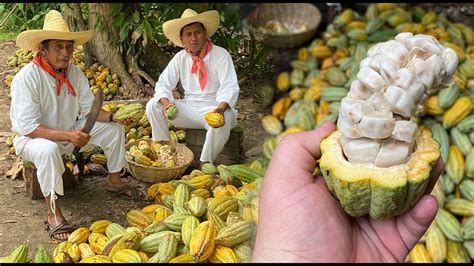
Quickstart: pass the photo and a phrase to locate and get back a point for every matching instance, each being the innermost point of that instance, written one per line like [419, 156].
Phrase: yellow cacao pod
[183, 258]
[166, 188]
[283, 81]
[272, 124]
[138, 218]
[459, 110]
[223, 254]
[456, 253]
[202, 241]
[214, 119]
[432, 106]
[188, 227]
[455, 164]
[151, 208]
[280, 107]
[96, 259]
[321, 52]
[436, 243]
[419, 254]
[74, 252]
[99, 226]
[80, 235]
[127, 256]
[86, 250]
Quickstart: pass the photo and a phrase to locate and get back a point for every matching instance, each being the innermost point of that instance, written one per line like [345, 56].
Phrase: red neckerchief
[60, 78]
[198, 64]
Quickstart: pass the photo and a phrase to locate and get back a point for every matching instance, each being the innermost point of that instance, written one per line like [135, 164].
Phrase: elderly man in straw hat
[208, 77]
[50, 100]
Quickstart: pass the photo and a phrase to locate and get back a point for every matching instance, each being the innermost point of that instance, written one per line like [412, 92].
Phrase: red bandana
[198, 64]
[60, 78]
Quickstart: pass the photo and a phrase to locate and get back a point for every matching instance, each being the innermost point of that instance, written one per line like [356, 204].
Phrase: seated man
[50, 101]
[208, 77]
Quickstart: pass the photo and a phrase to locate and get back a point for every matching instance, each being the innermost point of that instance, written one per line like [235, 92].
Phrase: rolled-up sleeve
[229, 86]
[168, 80]
[25, 109]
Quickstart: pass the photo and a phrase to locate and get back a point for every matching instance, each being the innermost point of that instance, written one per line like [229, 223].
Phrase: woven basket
[151, 174]
[300, 13]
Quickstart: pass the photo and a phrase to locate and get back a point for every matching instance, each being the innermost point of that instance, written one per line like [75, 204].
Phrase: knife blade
[90, 121]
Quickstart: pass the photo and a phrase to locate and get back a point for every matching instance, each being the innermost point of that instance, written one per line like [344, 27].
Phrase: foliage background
[140, 24]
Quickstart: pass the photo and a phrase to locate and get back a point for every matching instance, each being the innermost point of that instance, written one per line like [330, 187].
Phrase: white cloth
[222, 86]
[35, 102]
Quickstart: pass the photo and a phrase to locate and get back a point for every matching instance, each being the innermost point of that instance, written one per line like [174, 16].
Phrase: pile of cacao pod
[209, 215]
[100, 76]
[153, 154]
[321, 76]
[97, 74]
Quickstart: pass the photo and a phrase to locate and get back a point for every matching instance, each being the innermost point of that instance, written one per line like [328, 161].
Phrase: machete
[90, 121]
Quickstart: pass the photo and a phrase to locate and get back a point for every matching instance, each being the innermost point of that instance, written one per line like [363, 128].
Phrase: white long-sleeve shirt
[34, 101]
[222, 84]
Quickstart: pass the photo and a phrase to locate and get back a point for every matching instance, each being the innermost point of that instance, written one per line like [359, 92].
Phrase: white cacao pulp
[394, 80]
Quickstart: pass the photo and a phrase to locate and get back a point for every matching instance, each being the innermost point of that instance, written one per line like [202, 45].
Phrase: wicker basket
[301, 13]
[151, 174]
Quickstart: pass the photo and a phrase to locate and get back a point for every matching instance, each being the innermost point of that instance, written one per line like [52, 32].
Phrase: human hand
[300, 220]
[125, 122]
[166, 106]
[78, 137]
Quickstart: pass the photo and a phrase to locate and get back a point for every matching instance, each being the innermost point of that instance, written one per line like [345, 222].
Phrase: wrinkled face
[58, 52]
[193, 37]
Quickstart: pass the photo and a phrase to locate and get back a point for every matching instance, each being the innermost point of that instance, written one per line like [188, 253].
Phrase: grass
[7, 36]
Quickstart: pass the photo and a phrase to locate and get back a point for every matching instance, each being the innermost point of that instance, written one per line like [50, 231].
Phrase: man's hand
[221, 108]
[300, 221]
[125, 122]
[78, 137]
[166, 104]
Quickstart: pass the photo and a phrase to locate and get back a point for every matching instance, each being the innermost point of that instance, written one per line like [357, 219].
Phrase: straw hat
[54, 27]
[172, 28]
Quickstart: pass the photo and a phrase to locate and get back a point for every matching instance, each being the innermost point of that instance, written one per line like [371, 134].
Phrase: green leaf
[118, 21]
[148, 28]
[136, 17]
[115, 8]
[124, 31]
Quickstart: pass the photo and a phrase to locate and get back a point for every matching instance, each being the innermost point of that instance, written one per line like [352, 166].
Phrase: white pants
[191, 115]
[46, 154]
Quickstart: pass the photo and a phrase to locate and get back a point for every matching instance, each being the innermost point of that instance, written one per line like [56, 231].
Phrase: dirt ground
[22, 219]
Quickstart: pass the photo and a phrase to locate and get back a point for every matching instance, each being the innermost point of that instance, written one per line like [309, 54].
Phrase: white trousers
[46, 155]
[191, 115]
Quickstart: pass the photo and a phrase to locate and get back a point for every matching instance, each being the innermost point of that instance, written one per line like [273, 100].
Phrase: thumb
[296, 154]
[413, 224]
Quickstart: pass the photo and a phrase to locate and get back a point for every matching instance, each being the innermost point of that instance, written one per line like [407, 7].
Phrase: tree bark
[82, 27]
[68, 16]
[104, 47]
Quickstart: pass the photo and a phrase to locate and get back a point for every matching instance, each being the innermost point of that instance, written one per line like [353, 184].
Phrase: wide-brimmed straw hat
[54, 27]
[172, 28]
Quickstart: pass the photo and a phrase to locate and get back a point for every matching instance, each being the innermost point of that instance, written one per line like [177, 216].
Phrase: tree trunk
[68, 16]
[82, 27]
[104, 47]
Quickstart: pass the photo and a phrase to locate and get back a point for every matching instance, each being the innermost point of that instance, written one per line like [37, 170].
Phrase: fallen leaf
[16, 169]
